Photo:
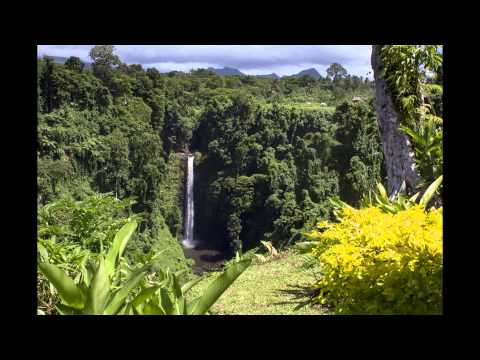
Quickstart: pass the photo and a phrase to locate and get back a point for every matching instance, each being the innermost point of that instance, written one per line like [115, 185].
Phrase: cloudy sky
[249, 59]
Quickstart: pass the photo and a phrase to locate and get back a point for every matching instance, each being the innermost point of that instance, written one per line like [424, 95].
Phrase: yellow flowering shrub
[381, 263]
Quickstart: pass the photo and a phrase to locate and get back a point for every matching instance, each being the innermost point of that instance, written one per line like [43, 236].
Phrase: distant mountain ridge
[225, 71]
[228, 71]
[309, 72]
[62, 59]
[58, 59]
[272, 75]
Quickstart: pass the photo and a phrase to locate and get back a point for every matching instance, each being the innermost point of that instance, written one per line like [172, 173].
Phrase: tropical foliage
[276, 161]
[114, 127]
[399, 201]
[387, 256]
[107, 289]
[264, 174]
[376, 262]
[413, 74]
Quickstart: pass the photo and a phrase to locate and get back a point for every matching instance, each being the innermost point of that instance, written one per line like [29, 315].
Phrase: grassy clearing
[276, 287]
[309, 106]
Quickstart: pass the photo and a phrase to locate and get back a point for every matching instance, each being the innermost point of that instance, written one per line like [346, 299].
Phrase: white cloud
[80, 51]
[185, 67]
[250, 59]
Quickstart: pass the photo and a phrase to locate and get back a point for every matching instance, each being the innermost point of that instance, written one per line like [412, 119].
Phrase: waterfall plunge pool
[205, 256]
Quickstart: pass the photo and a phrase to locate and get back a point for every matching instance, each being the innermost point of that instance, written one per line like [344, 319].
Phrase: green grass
[311, 106]
[308, 106]
[276, 287]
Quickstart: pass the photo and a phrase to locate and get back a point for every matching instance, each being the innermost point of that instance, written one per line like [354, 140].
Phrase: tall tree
[399, 157]
[103, 55]
[103, 60]
[46, 84]
[336, 71]
[75, 64]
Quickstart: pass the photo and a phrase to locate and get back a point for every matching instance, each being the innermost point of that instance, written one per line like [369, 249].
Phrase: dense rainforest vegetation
[265, 164]
[270, 156]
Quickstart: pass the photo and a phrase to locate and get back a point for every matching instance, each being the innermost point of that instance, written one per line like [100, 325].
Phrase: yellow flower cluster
[377, 262]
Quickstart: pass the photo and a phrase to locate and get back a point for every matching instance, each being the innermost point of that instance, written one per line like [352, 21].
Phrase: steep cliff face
[209, 219]
[399, 158]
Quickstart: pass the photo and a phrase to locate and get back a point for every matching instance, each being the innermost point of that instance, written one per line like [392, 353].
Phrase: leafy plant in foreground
[70, 257]
[375, 262]
[380, 200]
[399, 202]
[100, 294]
[95, 295]
[385, 258]
[427, 137]
[168, 297]
[272, 252]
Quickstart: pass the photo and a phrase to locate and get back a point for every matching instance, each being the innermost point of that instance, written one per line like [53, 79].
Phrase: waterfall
[189, 212]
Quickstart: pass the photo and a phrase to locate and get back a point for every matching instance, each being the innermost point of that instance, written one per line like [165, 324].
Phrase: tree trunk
[399, 157]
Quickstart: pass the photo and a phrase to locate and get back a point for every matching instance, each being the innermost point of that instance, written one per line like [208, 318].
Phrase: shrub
[91, 222]
[374, 262]
[106, 291]
[398, 201]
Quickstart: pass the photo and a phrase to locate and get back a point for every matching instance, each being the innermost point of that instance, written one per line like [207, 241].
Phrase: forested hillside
[268, 160]
[282, 166]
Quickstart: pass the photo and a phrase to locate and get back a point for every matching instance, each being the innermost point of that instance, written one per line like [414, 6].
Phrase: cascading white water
[189, 212]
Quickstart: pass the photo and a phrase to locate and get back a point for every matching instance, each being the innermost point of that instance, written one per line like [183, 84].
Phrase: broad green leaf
[85, 274]
[137, 311]
[144, 295]
[177, 290]
[128, 310]
[184, 305]
[187, 286]
[166, 302]
[401, 202]
[43, 252]
[77, 278]
[219, 285]
[98, 291]
[388, 208]
[180, 273]
[67, 310]
[414, 197]
[338, 204]
[65, 286]
[161, 274]
[118, 245]
[152, 309]
[380, 200]
[120, 295]
[427, 196]
[191, 305]
[180, 306]
[168, 281]
[128, 230]
[382, 191]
